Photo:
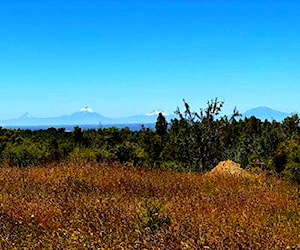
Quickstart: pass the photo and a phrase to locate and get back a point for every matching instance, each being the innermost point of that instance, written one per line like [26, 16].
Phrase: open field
[97, 206]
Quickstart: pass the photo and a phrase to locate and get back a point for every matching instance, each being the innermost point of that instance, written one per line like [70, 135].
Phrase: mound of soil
[229, 168]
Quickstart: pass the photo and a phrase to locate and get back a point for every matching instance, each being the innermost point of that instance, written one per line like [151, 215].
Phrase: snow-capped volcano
[156, 112]
[84, 116]
[86, 109]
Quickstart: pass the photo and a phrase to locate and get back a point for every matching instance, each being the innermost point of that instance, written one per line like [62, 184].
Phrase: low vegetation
[109, 206]
[153, 189]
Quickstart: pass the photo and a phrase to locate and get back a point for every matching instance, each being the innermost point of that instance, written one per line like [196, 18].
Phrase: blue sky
[130, 57]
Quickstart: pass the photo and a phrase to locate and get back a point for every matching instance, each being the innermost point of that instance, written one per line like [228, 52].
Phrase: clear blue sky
[130, 57]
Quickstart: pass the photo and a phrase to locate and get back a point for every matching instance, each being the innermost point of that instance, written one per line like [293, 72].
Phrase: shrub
[25, 154]
[83, 154]
[292, 171]
[152, 216]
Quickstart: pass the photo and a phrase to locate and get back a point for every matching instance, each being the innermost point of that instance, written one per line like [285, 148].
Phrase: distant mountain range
[86, 116]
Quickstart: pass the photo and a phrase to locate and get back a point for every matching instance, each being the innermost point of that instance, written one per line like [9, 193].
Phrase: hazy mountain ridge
[266, 113]
[86, 116]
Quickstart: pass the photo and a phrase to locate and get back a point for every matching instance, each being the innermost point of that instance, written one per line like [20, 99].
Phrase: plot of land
[82, 206]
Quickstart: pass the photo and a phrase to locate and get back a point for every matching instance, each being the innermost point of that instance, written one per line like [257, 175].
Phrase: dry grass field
[96, 206]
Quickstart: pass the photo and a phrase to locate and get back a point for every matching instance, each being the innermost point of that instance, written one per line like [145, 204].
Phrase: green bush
[105, 156]
[83, 154]
[152, 216]
[91, 155]
[292, 171]
[25, 154]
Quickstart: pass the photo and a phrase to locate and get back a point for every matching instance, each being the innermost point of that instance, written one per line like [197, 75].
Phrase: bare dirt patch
[230, 168]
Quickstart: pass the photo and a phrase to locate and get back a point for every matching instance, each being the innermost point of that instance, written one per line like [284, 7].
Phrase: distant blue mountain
[77, 118]
[265, 113]
[85, 116]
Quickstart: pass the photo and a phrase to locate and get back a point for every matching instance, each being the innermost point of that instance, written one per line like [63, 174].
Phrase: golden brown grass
[90, 206]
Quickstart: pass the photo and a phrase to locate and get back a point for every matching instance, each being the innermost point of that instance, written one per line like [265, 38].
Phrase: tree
[78, 135]
[291, 125]
[161, 125]
[200, 135]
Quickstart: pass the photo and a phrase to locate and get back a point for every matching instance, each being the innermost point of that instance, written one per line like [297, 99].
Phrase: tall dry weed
[81, 206]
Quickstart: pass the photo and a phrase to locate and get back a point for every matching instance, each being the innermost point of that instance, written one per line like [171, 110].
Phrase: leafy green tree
[78, 135]
[201, 134]
[291, 126]
[161, 125]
